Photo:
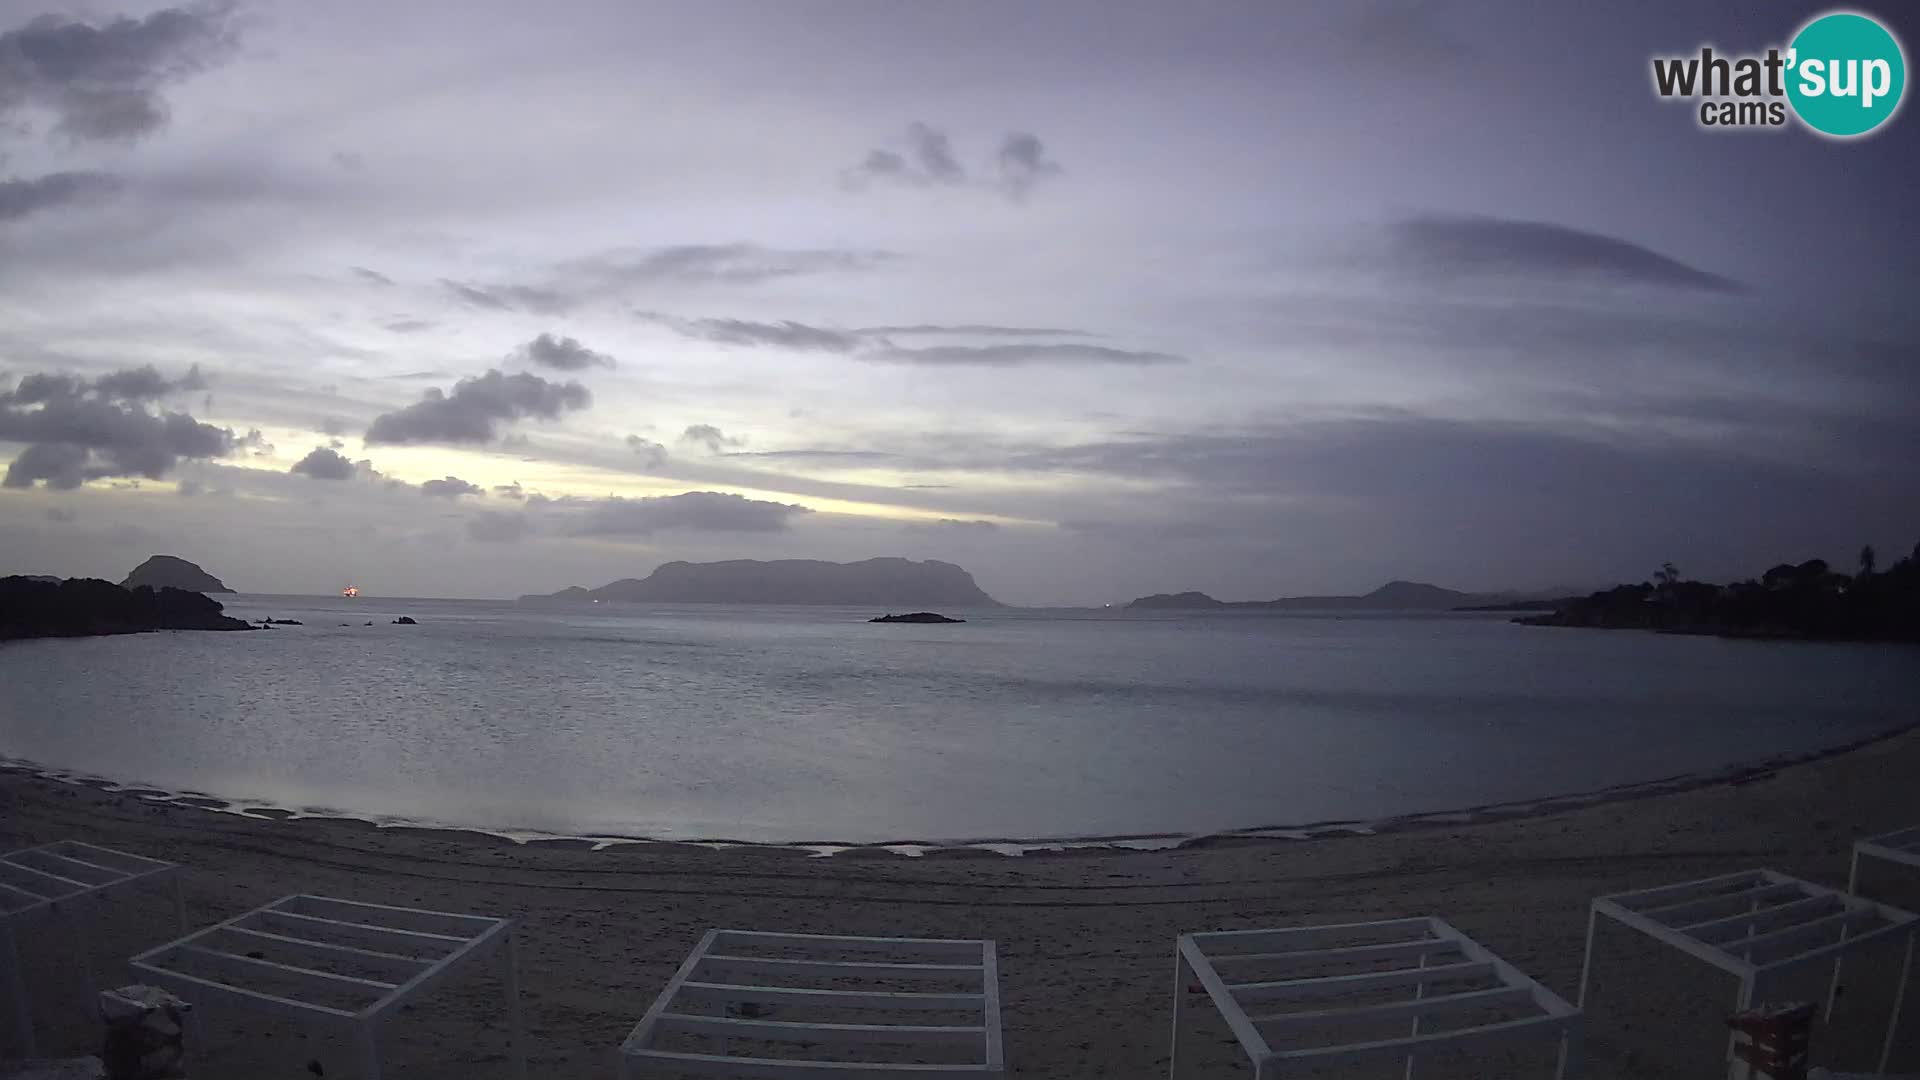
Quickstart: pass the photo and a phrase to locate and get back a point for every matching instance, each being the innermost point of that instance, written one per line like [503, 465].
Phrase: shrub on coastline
[1792, 600]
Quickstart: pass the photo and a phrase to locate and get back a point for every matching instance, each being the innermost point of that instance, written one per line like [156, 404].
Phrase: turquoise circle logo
[1846, 74]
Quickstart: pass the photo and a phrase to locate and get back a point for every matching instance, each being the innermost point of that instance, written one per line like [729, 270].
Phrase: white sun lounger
[825, 990]
[1757, 925]
[1278, 989]
[336, 964]
[52, 879]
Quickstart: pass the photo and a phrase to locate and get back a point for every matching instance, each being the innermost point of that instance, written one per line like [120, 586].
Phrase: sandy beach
[1085, 938]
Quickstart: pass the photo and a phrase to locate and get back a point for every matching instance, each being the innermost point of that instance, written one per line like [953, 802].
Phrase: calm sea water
[809, 724]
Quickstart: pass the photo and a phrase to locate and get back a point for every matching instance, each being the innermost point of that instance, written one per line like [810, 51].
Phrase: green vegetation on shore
[1805, 600]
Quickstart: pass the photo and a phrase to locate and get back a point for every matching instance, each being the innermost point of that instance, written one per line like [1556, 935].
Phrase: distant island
[87, 607]
[882, 583]
[173, 572]
[1393, 596]
[1807, 600]
[917, 617]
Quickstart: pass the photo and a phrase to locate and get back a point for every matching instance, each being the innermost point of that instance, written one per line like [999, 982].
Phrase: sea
[810, 725]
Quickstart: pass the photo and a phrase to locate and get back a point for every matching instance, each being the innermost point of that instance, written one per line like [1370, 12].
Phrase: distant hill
[85, 607]
[173, 572]
[1393, 596]
[884, 583]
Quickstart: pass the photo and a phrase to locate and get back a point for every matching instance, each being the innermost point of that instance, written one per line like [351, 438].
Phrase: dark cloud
[816, 455]
[654, 454]
[700, 511]
[254, 442]
[78, 430]
[476, 408]
[737, 264]
[323, 463]
[955, 525]
[104, 80]
[147, 384]
[710, 437]
[334, 426]
[785, 334]
[621, 273]
[1017, 355]
[1023, 163]
[510, 491]
[18, 198]
[1447, 246]
[925, 158]
[451, 487]
[1405, 34]
[562, 354]
[374, 276]
[409, 326]
[499, 527]
[968, 330]
[475, 295]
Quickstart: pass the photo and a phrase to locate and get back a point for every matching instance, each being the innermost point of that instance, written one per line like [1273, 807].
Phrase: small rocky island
[173, 572]
[917, 617]
[88, 607]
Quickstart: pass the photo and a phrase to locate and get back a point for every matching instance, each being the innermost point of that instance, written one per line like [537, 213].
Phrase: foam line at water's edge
[258, 811]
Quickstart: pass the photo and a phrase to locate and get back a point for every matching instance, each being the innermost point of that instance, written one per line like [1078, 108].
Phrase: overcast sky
[1095, 299]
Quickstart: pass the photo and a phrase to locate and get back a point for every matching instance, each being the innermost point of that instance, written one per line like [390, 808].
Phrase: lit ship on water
[350, 592]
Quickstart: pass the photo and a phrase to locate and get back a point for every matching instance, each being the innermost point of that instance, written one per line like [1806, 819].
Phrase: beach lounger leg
[1181, 973]
[368, 1038]
[82, 944]
[1569, 1051]
[1586, 965]
[1419, 991]
[516, 1025]
[1741, 1003]
[1853, 886]
[1899, 1000]
[17, 990]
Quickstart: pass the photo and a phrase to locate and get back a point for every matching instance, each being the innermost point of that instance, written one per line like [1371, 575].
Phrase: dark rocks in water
[369, 622]
[173, 572]
[86, 607]
[402, 621]
[283, 622]
[917, 617]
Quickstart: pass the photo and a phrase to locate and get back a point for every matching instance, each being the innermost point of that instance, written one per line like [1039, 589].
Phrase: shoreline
[1010, 847]
[1084, 934]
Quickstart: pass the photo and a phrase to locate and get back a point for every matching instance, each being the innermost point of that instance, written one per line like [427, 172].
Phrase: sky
[1093, 298]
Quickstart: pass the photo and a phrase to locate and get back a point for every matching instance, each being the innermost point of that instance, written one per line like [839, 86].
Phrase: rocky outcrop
[880, 583]
[917, 617]
[85, 607]
[173, 572]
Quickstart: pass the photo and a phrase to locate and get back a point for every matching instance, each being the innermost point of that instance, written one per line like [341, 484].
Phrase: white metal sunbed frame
[1428, 950]
[1900, 846]
[1757, 924]
[51, 878]
[415, 949]
[708, 977]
